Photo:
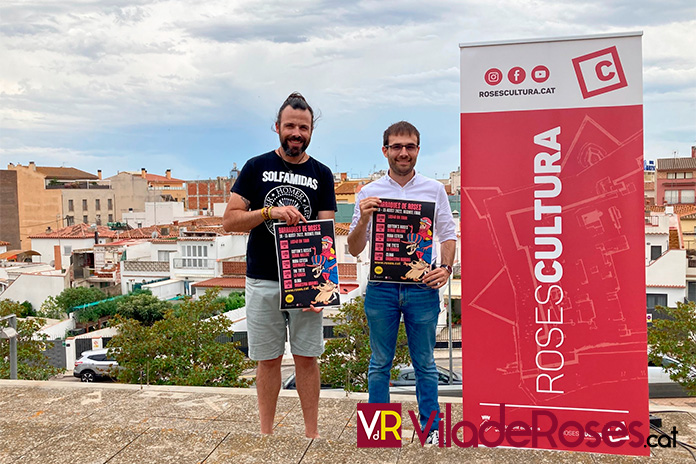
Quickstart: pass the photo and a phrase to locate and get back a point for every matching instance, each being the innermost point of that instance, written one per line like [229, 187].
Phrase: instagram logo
[493, 76]
[516, 75]
[599, 72]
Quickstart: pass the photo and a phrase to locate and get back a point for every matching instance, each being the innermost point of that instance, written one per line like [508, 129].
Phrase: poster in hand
[402, 240]
[307, 264]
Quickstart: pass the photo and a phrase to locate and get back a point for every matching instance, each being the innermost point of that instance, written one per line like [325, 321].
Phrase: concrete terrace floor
[59, 422]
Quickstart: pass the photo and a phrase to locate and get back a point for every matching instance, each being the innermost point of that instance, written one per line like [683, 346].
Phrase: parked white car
[95, 364]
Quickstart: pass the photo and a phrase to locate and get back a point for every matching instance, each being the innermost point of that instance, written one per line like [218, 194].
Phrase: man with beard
[287, 185]
[419, 304]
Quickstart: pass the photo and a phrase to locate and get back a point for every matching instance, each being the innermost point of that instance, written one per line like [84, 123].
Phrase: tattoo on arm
[246, 202]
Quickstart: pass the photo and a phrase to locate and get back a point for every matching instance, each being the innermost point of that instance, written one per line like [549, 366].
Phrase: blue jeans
[385, 303]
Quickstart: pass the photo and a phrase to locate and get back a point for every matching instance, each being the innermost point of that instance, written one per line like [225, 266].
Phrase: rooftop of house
[58, 172]
[341, 228]
[162, 179]
[676, 164]
[222, 282]
[78, 231]
[348, 187]
[679, 209]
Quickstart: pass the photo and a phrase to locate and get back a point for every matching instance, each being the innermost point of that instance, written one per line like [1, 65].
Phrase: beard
[294, 152]
[401, 170]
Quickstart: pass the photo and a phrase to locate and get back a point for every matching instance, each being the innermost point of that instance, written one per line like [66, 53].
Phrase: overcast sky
[193, 86]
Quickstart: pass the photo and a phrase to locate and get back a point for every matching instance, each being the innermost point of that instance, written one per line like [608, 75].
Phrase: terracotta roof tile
[680, 210]
[157, 178]
[348, 187]
[673, 164]
[223, 282]
[79, 231]
[341, 228]
[146, 232]
[4, 243]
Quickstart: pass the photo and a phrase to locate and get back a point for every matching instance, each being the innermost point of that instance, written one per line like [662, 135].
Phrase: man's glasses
[396, 148]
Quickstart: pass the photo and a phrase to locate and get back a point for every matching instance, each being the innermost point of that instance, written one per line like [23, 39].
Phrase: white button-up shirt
[419, 188]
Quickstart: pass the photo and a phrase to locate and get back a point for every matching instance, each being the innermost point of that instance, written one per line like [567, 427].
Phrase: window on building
[70, 220]
[691, 292]
[109, 203]
[671, 175]
[687, 196]
[111, 218]
[671, 196]
[99, 219]
[655, 252]
[163, 255]
[84, 205]
[85, 220]
[71, 206]
[688, 175]
[193, 255]
[97, 204]
[656, 299]
[67, 249]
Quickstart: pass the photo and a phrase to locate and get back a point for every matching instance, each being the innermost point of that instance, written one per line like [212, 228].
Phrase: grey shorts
[266, 324]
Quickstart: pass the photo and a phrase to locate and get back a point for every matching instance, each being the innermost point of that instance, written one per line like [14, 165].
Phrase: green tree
[143, 307]
[93, 313]
[676, 338]
[181, 349]
[50, 309]
[27, 309]
[32, 363]
[76, 296]
[346, 359]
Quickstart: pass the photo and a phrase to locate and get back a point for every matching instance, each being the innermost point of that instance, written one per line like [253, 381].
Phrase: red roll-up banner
[553, 266]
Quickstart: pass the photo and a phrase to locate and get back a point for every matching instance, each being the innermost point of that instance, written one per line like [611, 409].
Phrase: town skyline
[194, 87]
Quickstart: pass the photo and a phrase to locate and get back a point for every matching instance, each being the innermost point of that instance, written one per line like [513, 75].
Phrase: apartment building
[675, 181]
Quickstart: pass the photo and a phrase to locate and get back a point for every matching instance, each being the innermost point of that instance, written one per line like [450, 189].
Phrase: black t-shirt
[266, 180]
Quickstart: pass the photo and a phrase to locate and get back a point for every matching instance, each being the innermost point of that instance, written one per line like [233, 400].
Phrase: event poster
[307, 264]
[553, 252]
[402, 240]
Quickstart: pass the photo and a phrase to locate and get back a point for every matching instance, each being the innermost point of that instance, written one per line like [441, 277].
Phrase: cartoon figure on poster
[324, 266]
[421, 245]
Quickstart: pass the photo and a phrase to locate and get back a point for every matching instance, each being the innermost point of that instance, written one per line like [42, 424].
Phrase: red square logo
[599, 72]
[379, 425]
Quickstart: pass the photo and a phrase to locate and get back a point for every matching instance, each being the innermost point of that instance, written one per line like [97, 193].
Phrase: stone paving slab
[50, 422]
[18, 438]
[84, 444]
[252, 448]
[244, 415]
[343, 452]
[178, 441]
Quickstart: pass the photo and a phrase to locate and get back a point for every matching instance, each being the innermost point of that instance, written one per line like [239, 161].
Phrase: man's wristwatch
[448, 267]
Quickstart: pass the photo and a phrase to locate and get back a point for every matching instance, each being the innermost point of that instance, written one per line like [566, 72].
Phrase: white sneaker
[433, 438]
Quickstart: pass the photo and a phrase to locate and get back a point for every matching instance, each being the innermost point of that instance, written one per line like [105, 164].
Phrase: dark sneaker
[433, 438]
